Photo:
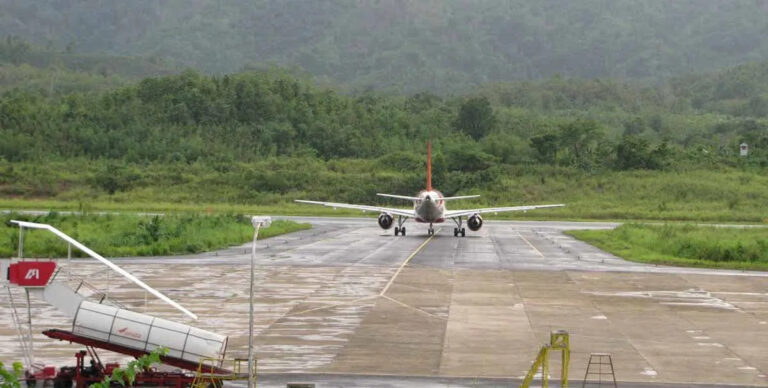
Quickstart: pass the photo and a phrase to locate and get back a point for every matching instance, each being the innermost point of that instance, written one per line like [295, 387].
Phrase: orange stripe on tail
[429, 166]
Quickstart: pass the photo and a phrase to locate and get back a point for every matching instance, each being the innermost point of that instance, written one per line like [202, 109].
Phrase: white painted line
[407, 260]
[529, 244]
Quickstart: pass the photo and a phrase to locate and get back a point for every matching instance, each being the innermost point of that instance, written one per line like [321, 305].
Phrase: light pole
[257, 222]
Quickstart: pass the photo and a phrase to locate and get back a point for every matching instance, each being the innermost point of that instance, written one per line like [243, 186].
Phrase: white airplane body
[429, 207]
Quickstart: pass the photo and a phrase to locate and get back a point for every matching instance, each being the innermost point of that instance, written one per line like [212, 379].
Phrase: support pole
[69, 261]
[21, 242]
[30, 332]
[257, 223]
[250, 302]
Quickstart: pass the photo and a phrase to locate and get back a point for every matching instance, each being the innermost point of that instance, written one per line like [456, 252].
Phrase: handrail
[89, 252]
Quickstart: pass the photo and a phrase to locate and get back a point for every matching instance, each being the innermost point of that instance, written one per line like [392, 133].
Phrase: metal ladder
[598, 360]
[77, 283]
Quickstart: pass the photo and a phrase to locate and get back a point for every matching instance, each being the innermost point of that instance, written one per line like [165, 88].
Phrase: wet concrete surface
[347, 298]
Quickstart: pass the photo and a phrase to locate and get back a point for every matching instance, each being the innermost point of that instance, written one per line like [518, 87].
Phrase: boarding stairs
[65, 290]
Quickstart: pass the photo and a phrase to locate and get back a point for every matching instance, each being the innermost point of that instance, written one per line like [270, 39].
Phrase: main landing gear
[400, 229]
[459, 229]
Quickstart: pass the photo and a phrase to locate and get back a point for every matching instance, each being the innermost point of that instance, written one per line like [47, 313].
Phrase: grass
[119, 235]
[698, 195]
[684, 245]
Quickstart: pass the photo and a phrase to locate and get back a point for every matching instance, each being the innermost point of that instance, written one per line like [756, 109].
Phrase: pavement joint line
[407, 260]
[413, 308]
[351, 302]
[529, 244]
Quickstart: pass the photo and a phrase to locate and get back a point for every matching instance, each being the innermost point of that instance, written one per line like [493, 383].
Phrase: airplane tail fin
[429, 166]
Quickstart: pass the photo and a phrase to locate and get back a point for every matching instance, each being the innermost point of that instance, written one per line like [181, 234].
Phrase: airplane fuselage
[430, 208]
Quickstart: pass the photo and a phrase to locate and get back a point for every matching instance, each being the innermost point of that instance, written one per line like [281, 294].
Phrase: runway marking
[407, 260]
[529, 244]
[383, 291]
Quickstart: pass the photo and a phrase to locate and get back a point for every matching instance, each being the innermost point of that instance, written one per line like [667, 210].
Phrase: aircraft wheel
[455, 232]
[402, 230]
[463, 232]
[397, 230]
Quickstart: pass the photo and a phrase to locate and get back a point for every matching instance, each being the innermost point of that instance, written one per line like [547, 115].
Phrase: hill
[409, 46]
[44, 70]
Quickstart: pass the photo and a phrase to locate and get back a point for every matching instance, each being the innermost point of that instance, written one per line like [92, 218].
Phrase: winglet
[429, 166]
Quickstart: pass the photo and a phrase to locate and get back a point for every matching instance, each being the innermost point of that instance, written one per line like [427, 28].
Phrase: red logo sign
[31, 273]
[128, 333]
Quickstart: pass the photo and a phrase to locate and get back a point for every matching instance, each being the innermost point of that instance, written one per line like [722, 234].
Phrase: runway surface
[347, 298]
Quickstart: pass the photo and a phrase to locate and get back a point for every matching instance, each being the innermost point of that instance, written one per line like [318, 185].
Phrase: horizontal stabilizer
[460, 197]
[405, 197]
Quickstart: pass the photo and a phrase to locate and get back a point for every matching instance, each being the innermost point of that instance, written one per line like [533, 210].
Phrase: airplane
[429, 207]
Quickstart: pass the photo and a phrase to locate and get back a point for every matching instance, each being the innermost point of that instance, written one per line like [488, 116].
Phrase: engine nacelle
[475, 222]
[385, 220]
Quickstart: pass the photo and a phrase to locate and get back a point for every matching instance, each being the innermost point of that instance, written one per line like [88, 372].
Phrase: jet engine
[475, 222]
[385, 220]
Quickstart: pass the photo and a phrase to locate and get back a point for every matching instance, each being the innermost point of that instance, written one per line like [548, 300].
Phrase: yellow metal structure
[558, 340]
[205, 377]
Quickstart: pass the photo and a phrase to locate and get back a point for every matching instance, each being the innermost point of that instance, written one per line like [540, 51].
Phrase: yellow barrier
[558, 340]
[205, 377]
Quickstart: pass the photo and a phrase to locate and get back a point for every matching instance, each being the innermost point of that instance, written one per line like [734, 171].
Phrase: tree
[632, 153]
[10, 378]
[546, 147]
[580, 139]
[126, 376]
[476, 117]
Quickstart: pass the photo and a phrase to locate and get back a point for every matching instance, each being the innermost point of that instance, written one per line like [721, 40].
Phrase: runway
[347, 298]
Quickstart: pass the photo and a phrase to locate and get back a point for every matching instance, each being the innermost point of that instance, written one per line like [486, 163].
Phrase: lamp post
[257, 222]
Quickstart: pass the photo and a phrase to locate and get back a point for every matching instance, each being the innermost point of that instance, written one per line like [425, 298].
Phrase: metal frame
[64, 335]
[558, 340]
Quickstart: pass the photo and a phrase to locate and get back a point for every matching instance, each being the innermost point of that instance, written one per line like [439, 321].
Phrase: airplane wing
[365, 208]
[469, 212]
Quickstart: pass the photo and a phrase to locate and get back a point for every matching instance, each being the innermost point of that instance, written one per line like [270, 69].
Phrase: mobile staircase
[100, 322]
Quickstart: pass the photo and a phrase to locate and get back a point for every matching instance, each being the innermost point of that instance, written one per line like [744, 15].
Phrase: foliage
[126, 376]
[686, 245]
[258, 139]
[134, 235]
[476, 117]
[10, 378]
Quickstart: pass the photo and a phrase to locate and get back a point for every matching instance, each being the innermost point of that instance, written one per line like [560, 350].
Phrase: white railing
[89, 252]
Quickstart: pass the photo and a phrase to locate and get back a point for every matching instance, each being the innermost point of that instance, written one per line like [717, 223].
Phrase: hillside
[610, 149]
[408, 46]
[47, 71]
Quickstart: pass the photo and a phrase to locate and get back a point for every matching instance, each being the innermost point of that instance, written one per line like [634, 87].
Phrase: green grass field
[684, 245]
[133, 235]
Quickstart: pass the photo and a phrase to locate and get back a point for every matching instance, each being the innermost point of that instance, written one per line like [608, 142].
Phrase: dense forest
[408, 46]
[610, 148]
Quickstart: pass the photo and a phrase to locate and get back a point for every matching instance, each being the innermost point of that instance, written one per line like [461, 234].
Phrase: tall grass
[134, 235]
[686, 245]
[712, 195]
